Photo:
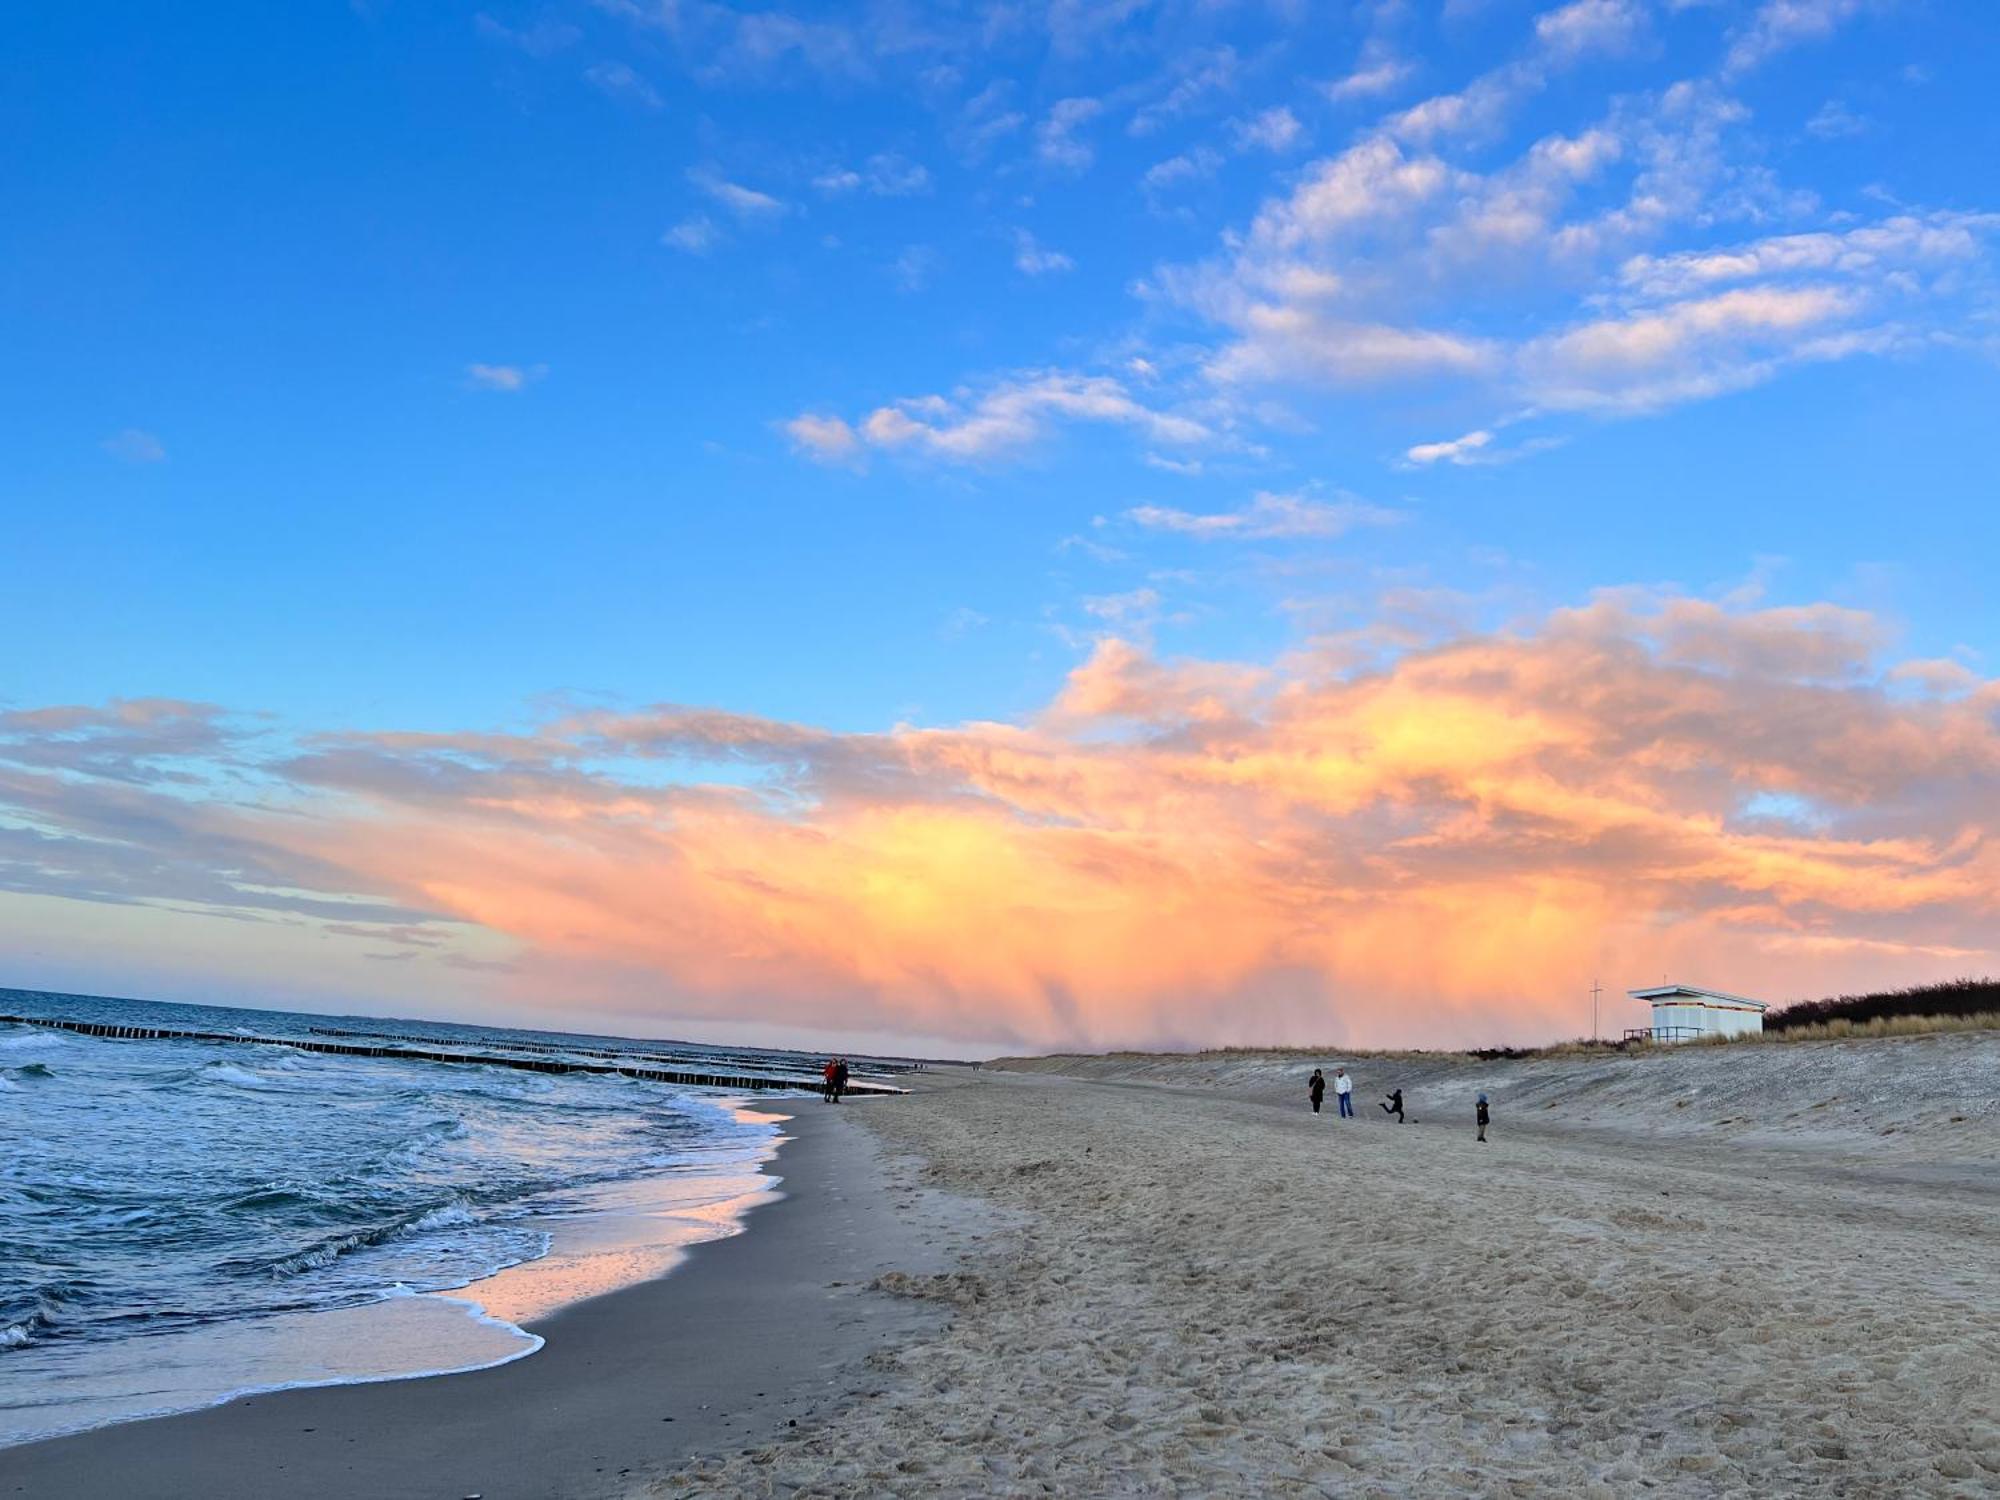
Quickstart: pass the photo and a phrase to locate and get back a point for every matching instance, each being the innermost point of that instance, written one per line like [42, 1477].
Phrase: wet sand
[752, 1332]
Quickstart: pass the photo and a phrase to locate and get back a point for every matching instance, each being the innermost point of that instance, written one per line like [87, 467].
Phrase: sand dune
[1208, 1291]
[1940, 1094]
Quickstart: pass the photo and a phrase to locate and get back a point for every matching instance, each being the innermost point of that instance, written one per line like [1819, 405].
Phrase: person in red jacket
[827, 1095]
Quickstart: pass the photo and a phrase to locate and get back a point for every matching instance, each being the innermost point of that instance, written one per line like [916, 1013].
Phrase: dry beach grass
[1205, 1290]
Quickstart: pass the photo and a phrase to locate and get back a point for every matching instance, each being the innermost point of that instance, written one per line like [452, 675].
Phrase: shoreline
[724, 1349]
[611, 1235]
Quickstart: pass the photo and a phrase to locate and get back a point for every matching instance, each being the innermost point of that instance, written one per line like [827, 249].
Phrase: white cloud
[759, 43]
[617, 81]
[744, 202]
[1392, 261]
[1834, 121]
[509, 378]
[1294, 342]
[1365, 185]
[1193, 165]
[1004, 420]
[986, 120]
[914, 267]
[135, 445]
[826, 439]
[1461, 450]
[1214, 73]
[1056, 143]
[1782, 24]
[543, 39]
[1476, 450]
[1276, 129]
[697, 235]
[1268, 517]
[1376, 72]
[1591, 26]
[885, 175]
[1032, 259]
[1563, 36]
[1123, 609]
[1475, 110]
[1906, 242]
[962, 622]
[1692, 349]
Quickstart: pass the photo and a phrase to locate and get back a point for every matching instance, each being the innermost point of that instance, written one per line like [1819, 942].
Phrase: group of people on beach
[1343, 1091]
[835, 1073]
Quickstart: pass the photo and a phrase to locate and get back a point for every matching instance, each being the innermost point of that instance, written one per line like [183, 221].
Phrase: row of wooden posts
[694, 1077]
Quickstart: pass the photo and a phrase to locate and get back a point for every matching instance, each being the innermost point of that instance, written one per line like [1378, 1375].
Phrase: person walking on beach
[1482, 1115]
[832, 1065]
[1343, 1090]
[1394, 1105]
[839, 1078]
[1316, 1088]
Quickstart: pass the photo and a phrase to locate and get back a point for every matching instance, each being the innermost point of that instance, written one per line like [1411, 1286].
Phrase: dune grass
[1840, 1028]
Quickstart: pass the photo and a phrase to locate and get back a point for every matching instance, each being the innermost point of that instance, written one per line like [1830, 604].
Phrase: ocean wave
[322, 1255]
[276, 1198]
[35, 1071]
[453, 1215]
[19, 1327]
[445, 1216]
[225, 1072]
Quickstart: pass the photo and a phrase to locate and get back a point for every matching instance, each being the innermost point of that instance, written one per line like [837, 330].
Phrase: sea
[186, 1221]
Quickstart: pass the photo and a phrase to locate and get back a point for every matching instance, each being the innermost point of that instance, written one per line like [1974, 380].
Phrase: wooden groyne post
[695, 1077]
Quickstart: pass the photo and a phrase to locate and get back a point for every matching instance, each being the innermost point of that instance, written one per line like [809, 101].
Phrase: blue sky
[415, 368]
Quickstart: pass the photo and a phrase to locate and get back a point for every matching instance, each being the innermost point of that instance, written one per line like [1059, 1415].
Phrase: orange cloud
[1445, 847]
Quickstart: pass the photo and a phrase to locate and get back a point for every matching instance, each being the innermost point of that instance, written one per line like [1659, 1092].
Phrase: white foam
[406, 1337]
[446, 1216]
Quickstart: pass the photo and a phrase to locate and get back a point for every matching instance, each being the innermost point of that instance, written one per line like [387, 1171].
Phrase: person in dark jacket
[839, 1078]
[1394, 1105]
[1316, 1088]
[1482, 1115]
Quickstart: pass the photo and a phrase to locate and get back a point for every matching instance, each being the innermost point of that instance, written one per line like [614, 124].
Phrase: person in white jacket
[1343, 1090]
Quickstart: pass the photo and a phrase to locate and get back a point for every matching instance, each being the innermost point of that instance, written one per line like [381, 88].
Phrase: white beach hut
[1683, 1012]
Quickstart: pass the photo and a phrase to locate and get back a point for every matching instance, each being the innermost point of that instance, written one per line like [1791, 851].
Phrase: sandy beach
[1210, 1291]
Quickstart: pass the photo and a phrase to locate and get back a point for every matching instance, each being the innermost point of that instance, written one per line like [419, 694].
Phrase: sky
[977, 527]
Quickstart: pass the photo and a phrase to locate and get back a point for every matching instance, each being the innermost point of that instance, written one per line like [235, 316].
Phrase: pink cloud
[1443, 848]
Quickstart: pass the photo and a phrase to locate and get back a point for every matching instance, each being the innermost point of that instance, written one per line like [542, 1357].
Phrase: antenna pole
[1596, 989]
